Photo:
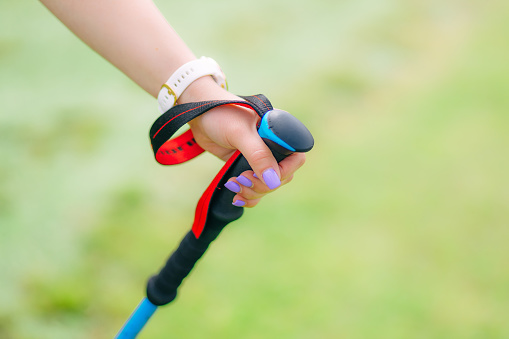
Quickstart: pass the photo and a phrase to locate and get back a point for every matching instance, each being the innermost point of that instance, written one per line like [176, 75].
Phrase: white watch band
[184, 76]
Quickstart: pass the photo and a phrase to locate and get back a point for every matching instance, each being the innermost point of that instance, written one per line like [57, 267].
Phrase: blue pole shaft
[137, 320]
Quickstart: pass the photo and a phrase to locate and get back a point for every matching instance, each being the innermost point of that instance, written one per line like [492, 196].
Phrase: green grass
[395, 228]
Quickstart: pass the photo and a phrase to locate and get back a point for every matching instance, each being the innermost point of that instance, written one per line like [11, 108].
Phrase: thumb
[260, 158]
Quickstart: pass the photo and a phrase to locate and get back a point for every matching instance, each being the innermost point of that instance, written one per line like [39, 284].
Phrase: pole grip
[283, 134]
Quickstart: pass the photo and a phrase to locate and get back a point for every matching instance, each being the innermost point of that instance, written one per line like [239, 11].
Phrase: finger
[233, 186]
[244, 192]
[250, 183]
[291, 164]
[244, 179]
[287, 168]
[249, 192]
[259, 157]
[249, 203]
[256, 190]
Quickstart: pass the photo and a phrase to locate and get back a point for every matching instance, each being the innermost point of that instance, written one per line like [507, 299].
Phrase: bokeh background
[397, 227]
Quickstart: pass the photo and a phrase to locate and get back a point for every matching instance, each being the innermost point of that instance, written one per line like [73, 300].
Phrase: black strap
[172, 120]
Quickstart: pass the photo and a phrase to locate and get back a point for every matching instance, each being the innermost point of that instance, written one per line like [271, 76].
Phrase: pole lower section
[137, 320]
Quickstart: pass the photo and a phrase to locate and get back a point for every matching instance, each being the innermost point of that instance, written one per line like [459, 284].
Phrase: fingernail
[244, 181]
[239, 203]
[271, 179]
[254, 175]
[232, 186]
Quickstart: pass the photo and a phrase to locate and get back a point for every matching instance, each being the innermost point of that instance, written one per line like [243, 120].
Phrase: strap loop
[169, 151]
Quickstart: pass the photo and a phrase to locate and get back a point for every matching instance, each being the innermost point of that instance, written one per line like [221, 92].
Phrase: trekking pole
[284, 134]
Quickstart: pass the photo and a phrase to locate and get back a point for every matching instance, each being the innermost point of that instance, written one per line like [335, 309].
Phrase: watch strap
[184, 76]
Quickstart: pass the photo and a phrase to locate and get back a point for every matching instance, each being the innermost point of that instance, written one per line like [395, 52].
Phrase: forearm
[135, 37]
[132, 35]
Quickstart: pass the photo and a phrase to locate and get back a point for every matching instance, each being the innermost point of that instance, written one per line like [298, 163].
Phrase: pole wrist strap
[172, 151]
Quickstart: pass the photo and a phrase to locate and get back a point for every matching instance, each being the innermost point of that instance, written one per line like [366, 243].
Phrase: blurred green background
[397, 227]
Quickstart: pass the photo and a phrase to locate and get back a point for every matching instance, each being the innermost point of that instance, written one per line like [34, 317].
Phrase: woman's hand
[225, 129]
[137, 40]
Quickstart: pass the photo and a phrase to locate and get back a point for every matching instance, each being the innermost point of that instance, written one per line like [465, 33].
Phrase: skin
[136, 38]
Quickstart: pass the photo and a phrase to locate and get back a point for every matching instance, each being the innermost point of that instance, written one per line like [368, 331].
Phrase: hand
[225, 129]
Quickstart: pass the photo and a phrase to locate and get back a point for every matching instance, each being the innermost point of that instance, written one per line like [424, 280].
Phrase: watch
[184, 76]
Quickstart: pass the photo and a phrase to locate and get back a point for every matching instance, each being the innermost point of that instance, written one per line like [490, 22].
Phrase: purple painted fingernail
[232, 186]
[254, 175]
[271, 179]
[239, 203]
[244, 181]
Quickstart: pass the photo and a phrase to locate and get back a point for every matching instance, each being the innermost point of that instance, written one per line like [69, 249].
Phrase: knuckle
[250, 194]
[252, 203]
[261, 156]
[301, 159]
[288, 180]
[298, 160]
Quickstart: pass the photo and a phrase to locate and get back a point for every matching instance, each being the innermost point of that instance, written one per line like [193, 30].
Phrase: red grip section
[200, 216]
[178, 150]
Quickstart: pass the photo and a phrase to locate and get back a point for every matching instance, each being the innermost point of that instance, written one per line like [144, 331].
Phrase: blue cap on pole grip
[285, 130]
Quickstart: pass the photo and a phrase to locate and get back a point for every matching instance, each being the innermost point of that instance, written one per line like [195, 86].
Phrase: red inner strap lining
[165, 155]
[178, 150]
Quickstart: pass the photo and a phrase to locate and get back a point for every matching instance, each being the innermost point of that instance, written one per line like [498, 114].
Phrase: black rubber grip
[162, 287]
